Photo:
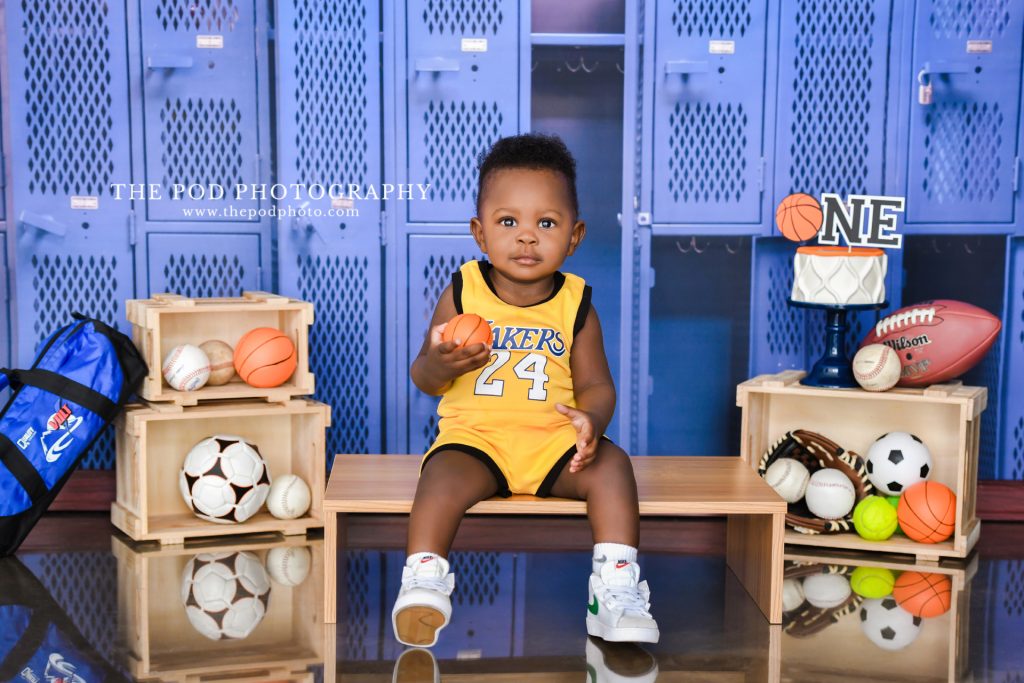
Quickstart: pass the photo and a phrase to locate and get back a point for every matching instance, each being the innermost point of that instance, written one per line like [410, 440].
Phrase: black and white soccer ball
[896, 461]
[224, 479]
[226, 595]
[888, 625]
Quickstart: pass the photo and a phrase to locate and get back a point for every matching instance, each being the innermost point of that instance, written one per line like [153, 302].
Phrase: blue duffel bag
[82, 378]
[38, 641]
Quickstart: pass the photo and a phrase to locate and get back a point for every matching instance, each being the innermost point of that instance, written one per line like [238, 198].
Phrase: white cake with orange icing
[839, 275]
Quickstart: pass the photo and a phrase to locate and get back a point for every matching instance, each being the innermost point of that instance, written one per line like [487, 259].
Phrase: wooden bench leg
[753, 551]
[330, 567]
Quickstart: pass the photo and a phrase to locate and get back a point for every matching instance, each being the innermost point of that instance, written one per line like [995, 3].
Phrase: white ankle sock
[616, 552]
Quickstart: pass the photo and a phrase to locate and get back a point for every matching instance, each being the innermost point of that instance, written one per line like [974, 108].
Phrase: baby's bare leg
[451, 483]
[609, 488]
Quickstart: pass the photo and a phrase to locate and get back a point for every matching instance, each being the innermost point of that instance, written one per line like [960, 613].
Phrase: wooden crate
[167, 320]
[161, 643]
[940, 652]
[153, 440]
[946, 416]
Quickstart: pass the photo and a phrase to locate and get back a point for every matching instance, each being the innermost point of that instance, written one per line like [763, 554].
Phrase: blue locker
[361, 619]
[961, 165]
[778, 331]
[461, 81]
[345, 343]
[832, 102]
[708, 78]
[203, 265]
[67, 132]
[5, 309]
[329, 250]
[201, 100]
[432, 260]
[1011, 444]
[3, 168]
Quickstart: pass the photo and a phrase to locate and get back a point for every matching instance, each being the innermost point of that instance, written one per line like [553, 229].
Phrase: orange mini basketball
[927, 512]
[468, 327]
[265, 357]
[798, 217]
[923, 595]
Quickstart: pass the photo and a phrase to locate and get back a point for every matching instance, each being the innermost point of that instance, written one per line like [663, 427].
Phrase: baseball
[289, 497]
[792, 595]
[830, 495]
[876, 367]
[222, 363]
[826, 590]
[186, 367]
[789, 478]
[289, 566]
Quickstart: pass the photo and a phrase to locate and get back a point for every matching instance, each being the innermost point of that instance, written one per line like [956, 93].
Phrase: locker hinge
[259, 278]
[383, 227]
[650, 278]
[131, 228]
[760, 175]
[3, 173]
[1016, 174]
[258, 168]
[650, 385]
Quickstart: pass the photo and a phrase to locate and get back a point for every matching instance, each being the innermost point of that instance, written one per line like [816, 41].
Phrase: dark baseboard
[93, 491]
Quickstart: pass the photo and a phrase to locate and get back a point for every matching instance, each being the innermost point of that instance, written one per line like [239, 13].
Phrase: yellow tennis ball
[874, 519]
[872, 582]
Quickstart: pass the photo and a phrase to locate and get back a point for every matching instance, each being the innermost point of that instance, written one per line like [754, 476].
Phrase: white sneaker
[619, 662]
[424, 605]
[618, 605]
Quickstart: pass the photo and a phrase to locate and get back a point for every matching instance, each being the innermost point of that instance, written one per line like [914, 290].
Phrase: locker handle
[946, 68]
[42, 223]
[168, 62]
[683, 66]
[436, 64]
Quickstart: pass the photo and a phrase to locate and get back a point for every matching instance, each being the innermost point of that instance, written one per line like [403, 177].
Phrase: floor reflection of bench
[669, 486]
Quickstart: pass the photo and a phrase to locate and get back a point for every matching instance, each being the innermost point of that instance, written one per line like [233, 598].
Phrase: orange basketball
[798, 217]
[265, 357]
[468, 327]
[923, 595]
[927, 512]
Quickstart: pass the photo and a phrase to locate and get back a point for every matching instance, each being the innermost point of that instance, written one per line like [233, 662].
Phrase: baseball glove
[806, 620]
[817, 452]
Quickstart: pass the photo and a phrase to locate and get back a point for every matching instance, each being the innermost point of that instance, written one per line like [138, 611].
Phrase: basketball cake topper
[862, 221]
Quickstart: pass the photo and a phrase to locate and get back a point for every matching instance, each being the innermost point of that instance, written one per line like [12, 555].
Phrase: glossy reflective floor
[79, 604]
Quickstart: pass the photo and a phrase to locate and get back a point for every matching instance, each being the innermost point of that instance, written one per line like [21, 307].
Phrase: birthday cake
[839, 275]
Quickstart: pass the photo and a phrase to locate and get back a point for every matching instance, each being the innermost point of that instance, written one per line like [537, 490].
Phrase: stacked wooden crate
[154, 436]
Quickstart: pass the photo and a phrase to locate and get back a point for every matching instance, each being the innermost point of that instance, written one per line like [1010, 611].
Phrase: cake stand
[833, 369]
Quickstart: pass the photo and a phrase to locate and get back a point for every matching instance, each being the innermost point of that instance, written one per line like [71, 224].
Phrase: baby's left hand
[586, 443]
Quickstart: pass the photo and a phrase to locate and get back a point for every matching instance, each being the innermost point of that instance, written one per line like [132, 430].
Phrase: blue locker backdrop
[961, 163]
[686, 138]
[708, 76]
[200, 100]
[328, 119]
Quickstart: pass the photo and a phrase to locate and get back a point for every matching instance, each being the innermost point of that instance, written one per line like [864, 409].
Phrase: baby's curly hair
[529, 150]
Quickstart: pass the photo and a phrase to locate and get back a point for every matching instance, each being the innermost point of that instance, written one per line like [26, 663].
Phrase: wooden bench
[668, 486]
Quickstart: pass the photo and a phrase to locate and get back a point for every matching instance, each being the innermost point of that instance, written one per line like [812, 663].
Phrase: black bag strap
[28, 644]
[22, 469]
[50, 381]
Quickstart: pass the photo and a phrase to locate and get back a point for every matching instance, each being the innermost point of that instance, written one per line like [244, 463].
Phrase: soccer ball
[225, 594]
[897, 461]
[888, 625]
[224, 479]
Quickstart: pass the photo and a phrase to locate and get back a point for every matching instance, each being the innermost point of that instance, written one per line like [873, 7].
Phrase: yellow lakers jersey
[529, 368]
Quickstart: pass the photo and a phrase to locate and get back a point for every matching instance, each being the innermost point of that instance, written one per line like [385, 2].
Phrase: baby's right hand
[452, 361]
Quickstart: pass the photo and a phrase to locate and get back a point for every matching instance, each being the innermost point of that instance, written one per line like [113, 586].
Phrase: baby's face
[527, 225]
